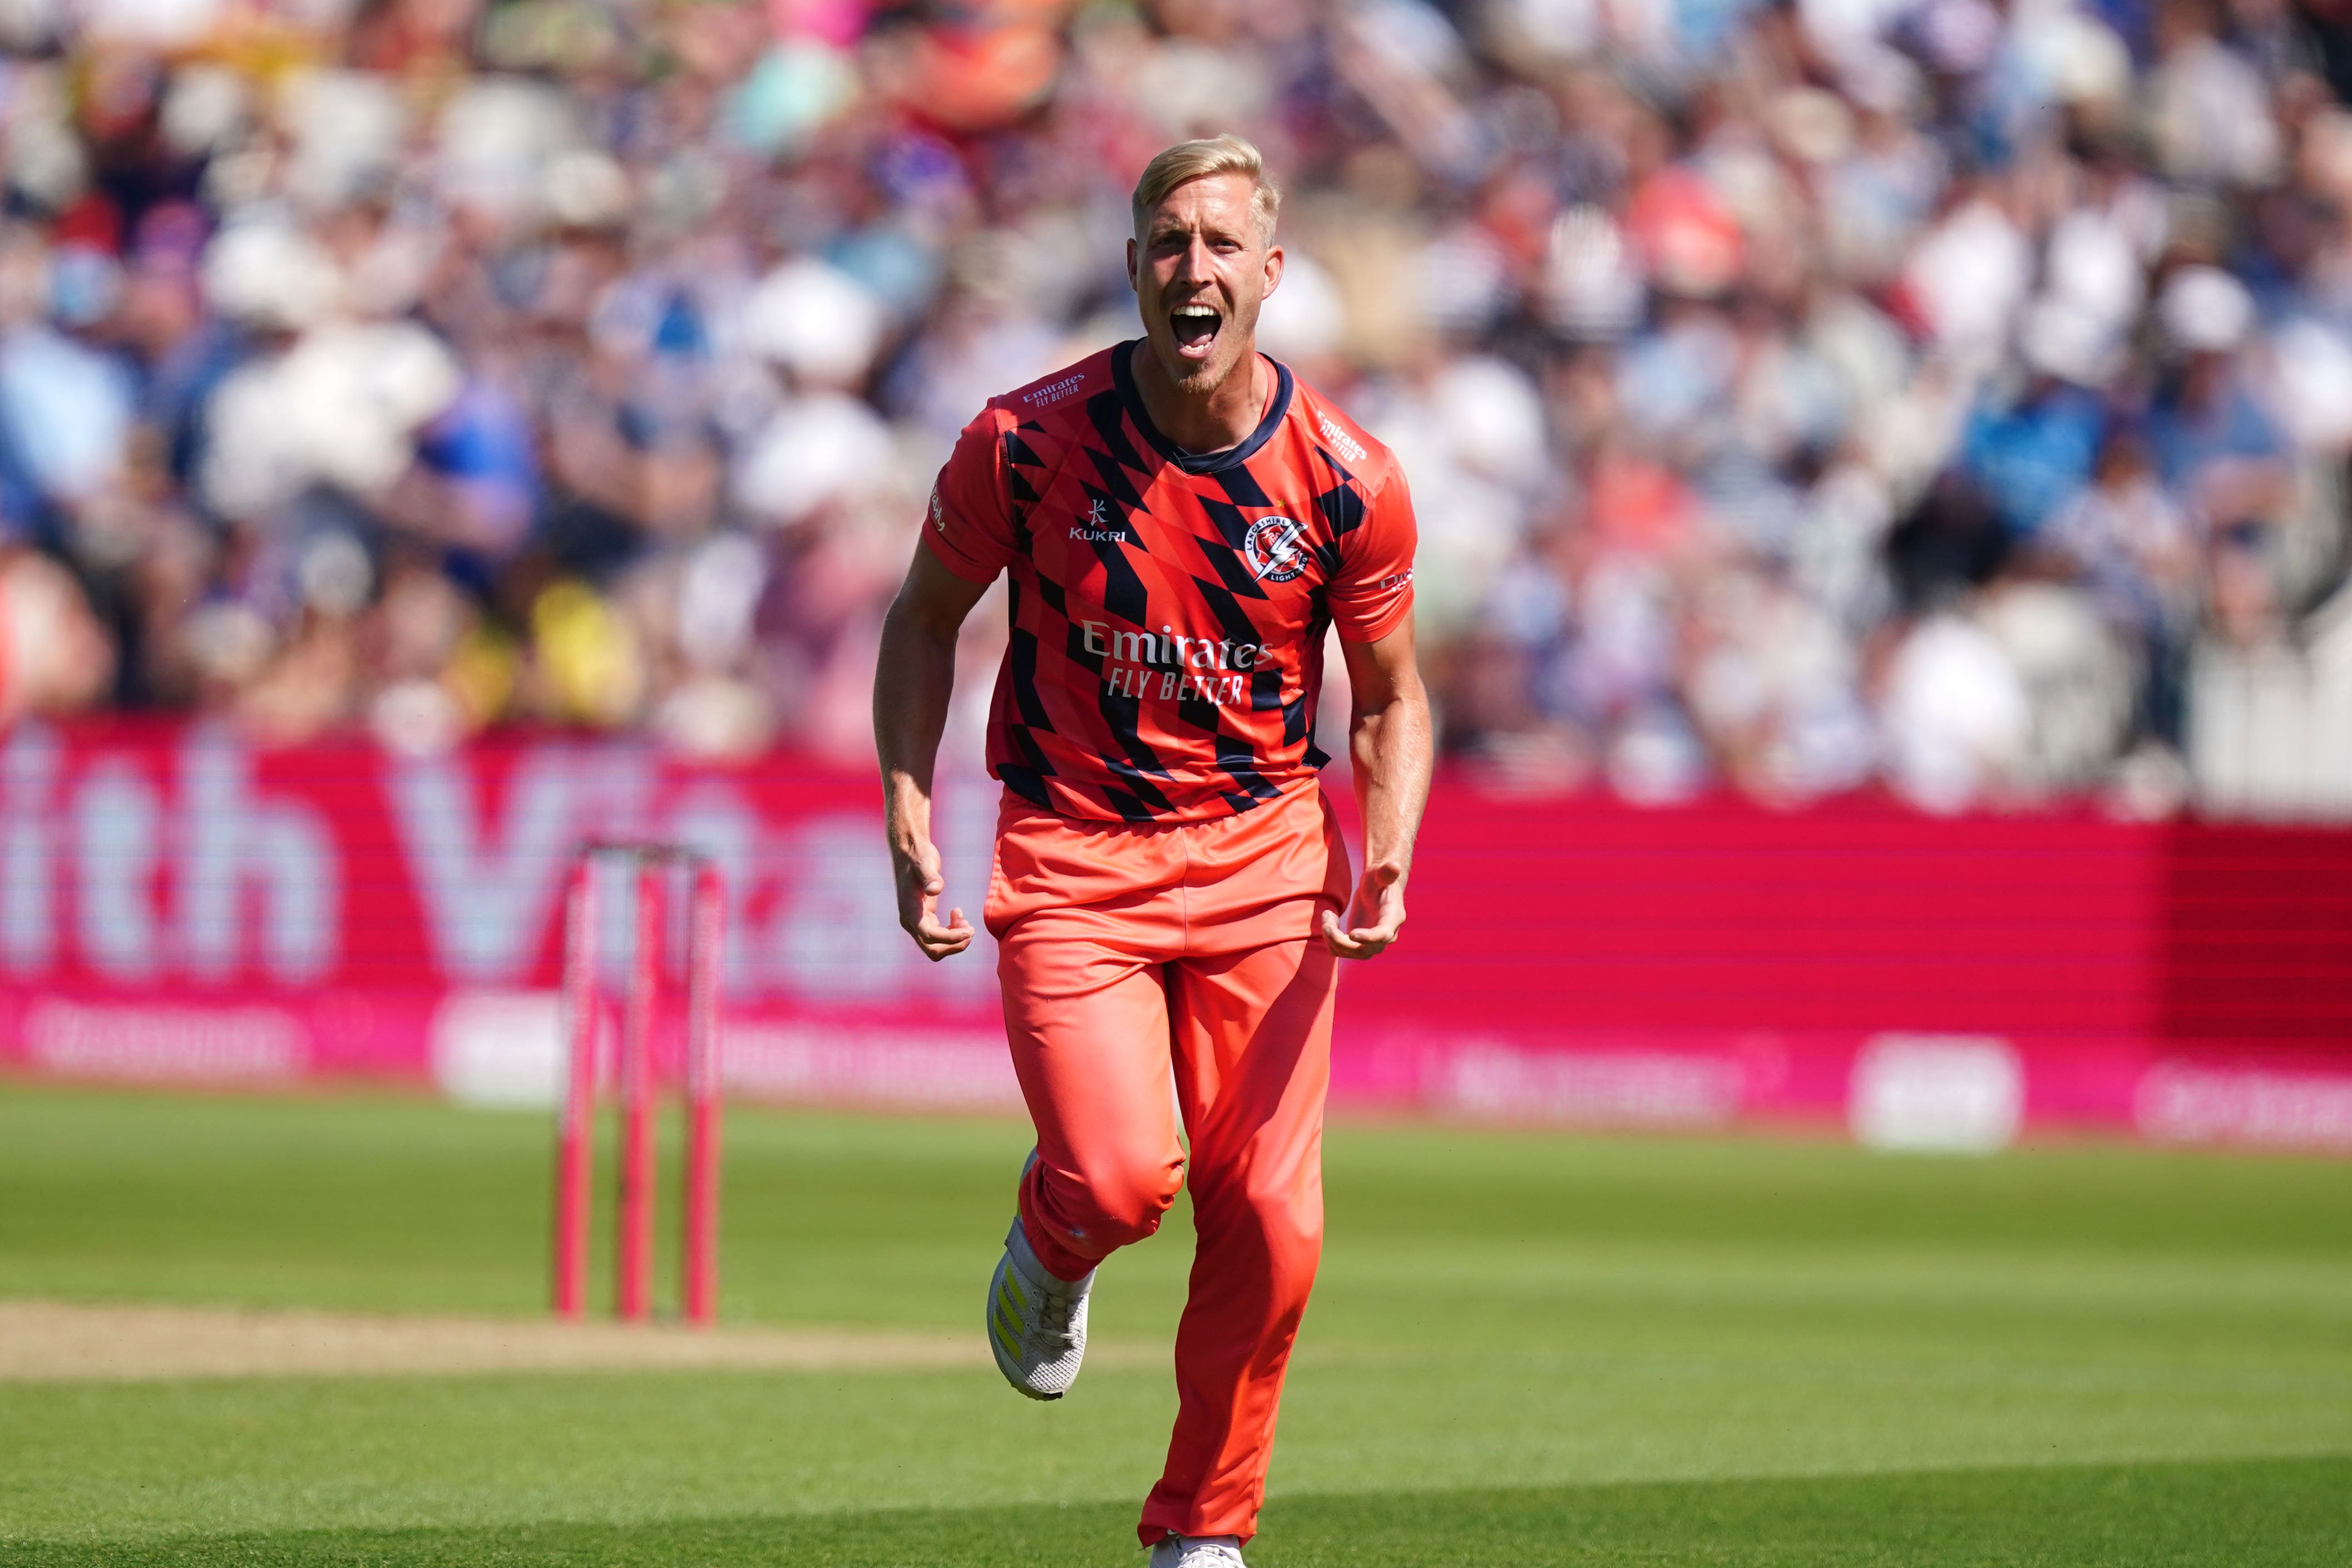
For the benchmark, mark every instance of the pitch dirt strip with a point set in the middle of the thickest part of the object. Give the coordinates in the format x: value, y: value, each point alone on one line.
x: 57, y: 1341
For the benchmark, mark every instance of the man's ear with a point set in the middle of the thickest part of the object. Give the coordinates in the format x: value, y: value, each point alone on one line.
x: 1273, y: 270
x: 1134, y: 284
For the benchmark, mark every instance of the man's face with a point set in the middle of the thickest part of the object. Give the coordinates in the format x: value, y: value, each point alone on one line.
x: 1200, y: 270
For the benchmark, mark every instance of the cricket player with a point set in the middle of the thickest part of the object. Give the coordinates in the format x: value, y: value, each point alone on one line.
x: 1181, y: 520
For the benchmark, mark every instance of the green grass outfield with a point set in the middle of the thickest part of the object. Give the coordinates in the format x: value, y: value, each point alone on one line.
x: 1524, y: 1350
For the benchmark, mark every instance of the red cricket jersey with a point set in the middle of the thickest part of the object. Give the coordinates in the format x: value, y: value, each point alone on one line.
x: 1168, y: 608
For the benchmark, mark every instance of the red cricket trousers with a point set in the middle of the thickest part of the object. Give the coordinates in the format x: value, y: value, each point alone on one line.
x: 1127, y: 951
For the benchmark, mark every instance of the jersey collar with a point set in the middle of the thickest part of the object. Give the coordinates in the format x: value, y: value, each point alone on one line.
x: 1277, y: 409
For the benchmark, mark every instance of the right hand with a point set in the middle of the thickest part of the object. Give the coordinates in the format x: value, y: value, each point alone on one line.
x: 917, y: 868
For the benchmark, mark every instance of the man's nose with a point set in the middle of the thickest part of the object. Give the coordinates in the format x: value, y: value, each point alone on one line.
x: 1195, y: 262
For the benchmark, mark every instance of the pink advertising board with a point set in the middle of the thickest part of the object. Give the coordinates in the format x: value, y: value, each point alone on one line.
x: 178, y: 906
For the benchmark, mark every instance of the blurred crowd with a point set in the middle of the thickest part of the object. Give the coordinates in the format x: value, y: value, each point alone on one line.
x: 1799, y: 395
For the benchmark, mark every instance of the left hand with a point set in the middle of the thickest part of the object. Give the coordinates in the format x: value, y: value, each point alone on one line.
x: 1374, y: 917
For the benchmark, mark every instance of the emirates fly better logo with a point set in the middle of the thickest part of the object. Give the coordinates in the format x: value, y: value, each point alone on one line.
x: 1272, y: 549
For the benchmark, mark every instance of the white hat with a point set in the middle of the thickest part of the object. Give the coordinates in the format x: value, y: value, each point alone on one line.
x: 265, y: 272
x: 2206, y: 310
x: 816, y: 321
x: 2060, y: 338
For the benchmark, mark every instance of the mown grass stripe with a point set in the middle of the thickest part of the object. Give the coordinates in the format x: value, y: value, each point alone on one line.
x: 2272, y: 1513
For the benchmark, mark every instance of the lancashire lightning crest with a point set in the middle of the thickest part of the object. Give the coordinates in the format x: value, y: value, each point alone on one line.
x: 1271, y: 547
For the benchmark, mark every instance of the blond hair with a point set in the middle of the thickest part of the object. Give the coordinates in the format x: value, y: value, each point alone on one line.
x: 1190, y: 161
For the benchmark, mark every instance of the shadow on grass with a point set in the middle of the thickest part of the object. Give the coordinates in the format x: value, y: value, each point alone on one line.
x: 2250, y: 1513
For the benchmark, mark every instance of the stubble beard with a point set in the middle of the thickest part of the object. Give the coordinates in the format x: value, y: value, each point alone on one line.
x: 1200, y: 381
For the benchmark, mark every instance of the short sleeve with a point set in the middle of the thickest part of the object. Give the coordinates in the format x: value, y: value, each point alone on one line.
x: 1373, y: 594
x: 969, y: 526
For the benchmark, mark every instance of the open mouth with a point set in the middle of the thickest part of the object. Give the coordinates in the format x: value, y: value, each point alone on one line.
x: 1195, y: 327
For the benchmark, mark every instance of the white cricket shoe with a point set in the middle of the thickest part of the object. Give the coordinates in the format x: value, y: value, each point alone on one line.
x: 1036, y: 1322
x: 1198, y: 1551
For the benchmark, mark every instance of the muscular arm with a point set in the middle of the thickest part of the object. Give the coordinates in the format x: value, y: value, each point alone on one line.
x: 913, y: 679
x: 1389, y: 740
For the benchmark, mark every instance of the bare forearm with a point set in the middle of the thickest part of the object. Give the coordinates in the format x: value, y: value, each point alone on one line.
x: 1393, y: 750
x: 913, y: 680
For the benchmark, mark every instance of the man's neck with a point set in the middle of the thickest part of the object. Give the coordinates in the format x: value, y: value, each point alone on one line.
x: 1203, y: 422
